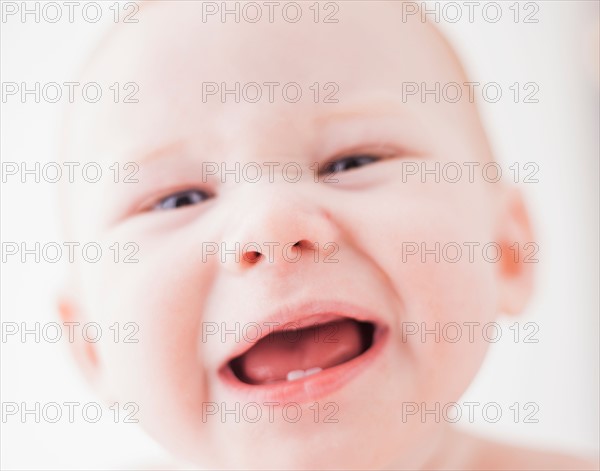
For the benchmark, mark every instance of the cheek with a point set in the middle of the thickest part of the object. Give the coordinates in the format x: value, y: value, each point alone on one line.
x: 421, y: 240
x: 162, y: 295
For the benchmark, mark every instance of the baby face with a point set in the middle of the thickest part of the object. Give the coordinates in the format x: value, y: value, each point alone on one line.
x: 324, y: 253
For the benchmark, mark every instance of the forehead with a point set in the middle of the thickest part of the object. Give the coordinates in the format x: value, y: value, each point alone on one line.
x: 181, y: 33
x: 194, y: 74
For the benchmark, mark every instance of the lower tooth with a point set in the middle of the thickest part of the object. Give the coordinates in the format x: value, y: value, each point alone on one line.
x: 298, y: 374
x: 295, y: 374
x: 312, y: 371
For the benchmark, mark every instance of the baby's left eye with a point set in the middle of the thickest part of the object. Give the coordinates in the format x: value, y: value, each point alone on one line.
x: 350, y: 162
x: 181, y: 199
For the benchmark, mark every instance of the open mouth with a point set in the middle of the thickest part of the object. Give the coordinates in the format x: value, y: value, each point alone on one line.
x: 292, y: 354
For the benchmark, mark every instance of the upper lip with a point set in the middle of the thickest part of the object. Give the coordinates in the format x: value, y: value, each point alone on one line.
x: 302, y: 315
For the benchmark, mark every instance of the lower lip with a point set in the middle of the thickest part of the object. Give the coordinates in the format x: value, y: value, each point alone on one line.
x: 310, y: 388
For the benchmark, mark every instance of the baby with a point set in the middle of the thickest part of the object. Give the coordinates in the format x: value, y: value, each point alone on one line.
x: 280, y: 223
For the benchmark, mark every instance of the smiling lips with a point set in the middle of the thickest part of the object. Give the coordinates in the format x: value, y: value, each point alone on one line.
x: 293, y: 354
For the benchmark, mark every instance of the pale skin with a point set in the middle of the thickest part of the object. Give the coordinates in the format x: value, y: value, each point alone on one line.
x: 367, y: 214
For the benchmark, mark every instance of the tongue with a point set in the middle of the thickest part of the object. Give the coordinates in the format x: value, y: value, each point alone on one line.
x: 322, y: 346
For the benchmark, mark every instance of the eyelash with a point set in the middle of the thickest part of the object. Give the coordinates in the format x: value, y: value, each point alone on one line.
x: 170, y: 202
x: 330, y: 168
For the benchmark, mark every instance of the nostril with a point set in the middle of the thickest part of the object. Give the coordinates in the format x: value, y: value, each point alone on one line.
x: 304, y: 244
x: 252, y: 257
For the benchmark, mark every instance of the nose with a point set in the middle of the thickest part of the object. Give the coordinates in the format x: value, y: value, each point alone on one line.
x: 276, y: 226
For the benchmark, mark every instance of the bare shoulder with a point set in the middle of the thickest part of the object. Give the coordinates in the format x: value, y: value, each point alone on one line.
x: 491, y: 455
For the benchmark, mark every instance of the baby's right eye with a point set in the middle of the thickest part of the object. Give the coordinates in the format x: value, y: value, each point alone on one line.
x: 181, y: 199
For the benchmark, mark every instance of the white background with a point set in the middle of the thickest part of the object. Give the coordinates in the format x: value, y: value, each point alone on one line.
x: 560, y: 133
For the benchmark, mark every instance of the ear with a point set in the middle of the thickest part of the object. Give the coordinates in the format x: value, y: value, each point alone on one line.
x: 85, y: 353
x: 515, y: 269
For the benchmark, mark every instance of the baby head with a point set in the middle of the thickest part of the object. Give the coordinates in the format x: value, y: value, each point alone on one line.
x: 281, y: 276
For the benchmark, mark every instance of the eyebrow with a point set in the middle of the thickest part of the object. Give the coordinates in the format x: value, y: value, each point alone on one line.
x: 152, y: 154
x: 377, y: 104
